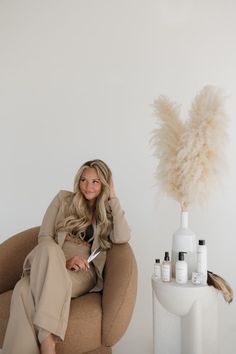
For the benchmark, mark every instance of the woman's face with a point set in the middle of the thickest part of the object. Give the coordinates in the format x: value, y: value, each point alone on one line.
x: 90, y: 184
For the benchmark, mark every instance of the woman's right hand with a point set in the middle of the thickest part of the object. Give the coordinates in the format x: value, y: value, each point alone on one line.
x: 77, y: 263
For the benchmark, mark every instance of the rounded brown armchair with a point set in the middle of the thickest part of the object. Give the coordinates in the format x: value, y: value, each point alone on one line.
x: 97, y: 320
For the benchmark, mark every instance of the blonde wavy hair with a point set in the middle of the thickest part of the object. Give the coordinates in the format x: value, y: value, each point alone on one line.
x: 76, y: 206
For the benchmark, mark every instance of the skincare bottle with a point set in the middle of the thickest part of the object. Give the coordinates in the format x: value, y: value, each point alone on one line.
x: 166, y: 268
x: 181, y: 269
x: 202, y: 261
x: 157, y: 269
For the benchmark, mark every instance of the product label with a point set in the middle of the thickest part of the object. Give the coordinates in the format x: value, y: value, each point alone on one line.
x: 157, y: 271
x: 201, y: 262
x: 181, y: 275
x: 166, y: 272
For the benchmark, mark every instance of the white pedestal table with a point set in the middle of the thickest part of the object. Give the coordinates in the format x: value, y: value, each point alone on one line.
x: 185, y: 318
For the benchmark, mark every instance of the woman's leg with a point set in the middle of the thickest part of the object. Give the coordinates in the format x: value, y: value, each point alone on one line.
x: 81, y: 282
x: 20, y: 337
x: 51, y: 288
x: 40, y: 302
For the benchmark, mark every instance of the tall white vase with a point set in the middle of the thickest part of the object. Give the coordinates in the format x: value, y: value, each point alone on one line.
x: 184, y: 240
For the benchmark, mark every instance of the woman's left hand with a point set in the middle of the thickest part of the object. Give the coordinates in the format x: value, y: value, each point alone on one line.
x: 112, y: 191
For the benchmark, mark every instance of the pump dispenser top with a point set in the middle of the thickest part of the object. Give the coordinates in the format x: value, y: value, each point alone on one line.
x: 181, y: 256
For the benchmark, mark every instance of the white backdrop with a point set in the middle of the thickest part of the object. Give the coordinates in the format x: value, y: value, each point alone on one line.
x: 77, y: 81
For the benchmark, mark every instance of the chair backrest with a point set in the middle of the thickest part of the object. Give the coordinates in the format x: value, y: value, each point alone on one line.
x: 119, y: 292
x: 12, y: 254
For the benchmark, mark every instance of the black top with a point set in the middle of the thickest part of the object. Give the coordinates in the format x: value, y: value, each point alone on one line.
x: 88, y: 237
x: 89, y: 234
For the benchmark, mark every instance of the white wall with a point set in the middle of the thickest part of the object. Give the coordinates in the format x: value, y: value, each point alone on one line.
x: 77, y: 80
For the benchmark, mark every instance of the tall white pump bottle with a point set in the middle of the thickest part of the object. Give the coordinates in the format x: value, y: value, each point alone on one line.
x: 184, y: 240
x: 202, y: 261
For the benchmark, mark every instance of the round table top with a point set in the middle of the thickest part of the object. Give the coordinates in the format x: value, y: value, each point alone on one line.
x: 179, y: 298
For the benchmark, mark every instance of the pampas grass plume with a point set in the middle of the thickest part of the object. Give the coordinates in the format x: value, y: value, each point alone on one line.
x: 190, y: 154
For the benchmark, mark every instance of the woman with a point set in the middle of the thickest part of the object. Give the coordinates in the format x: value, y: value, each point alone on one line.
x: 57, y: 269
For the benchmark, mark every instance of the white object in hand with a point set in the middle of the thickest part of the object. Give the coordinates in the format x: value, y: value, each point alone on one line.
x: 94, y: 254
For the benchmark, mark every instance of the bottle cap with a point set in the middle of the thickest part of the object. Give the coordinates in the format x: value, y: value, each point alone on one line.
x: 166, y: 258
x: 201, y: 242
x: 157, y: 260
x: 181, y: 256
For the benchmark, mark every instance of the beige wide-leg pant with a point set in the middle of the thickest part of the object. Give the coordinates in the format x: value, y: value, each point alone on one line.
x: 41, y: 299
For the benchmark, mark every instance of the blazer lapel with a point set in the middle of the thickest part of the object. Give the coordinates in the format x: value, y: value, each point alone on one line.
x: 61, y: 235
x: 96, y: 239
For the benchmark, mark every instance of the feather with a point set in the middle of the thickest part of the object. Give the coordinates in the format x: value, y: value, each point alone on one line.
x: 191, y: 154
x: 220, y: 284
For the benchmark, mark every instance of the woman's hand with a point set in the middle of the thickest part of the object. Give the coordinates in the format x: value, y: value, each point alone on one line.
x: 77, y: 263
x: 112, y: 191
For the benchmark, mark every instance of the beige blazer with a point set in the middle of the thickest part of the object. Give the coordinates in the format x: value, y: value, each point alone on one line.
x: 54, y: 214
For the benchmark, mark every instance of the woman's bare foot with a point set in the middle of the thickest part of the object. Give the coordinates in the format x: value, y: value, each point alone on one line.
x: 48, y: 345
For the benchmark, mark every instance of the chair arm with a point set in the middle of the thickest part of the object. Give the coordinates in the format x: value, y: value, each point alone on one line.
x: 12, y: 254
x: 119, y: 292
